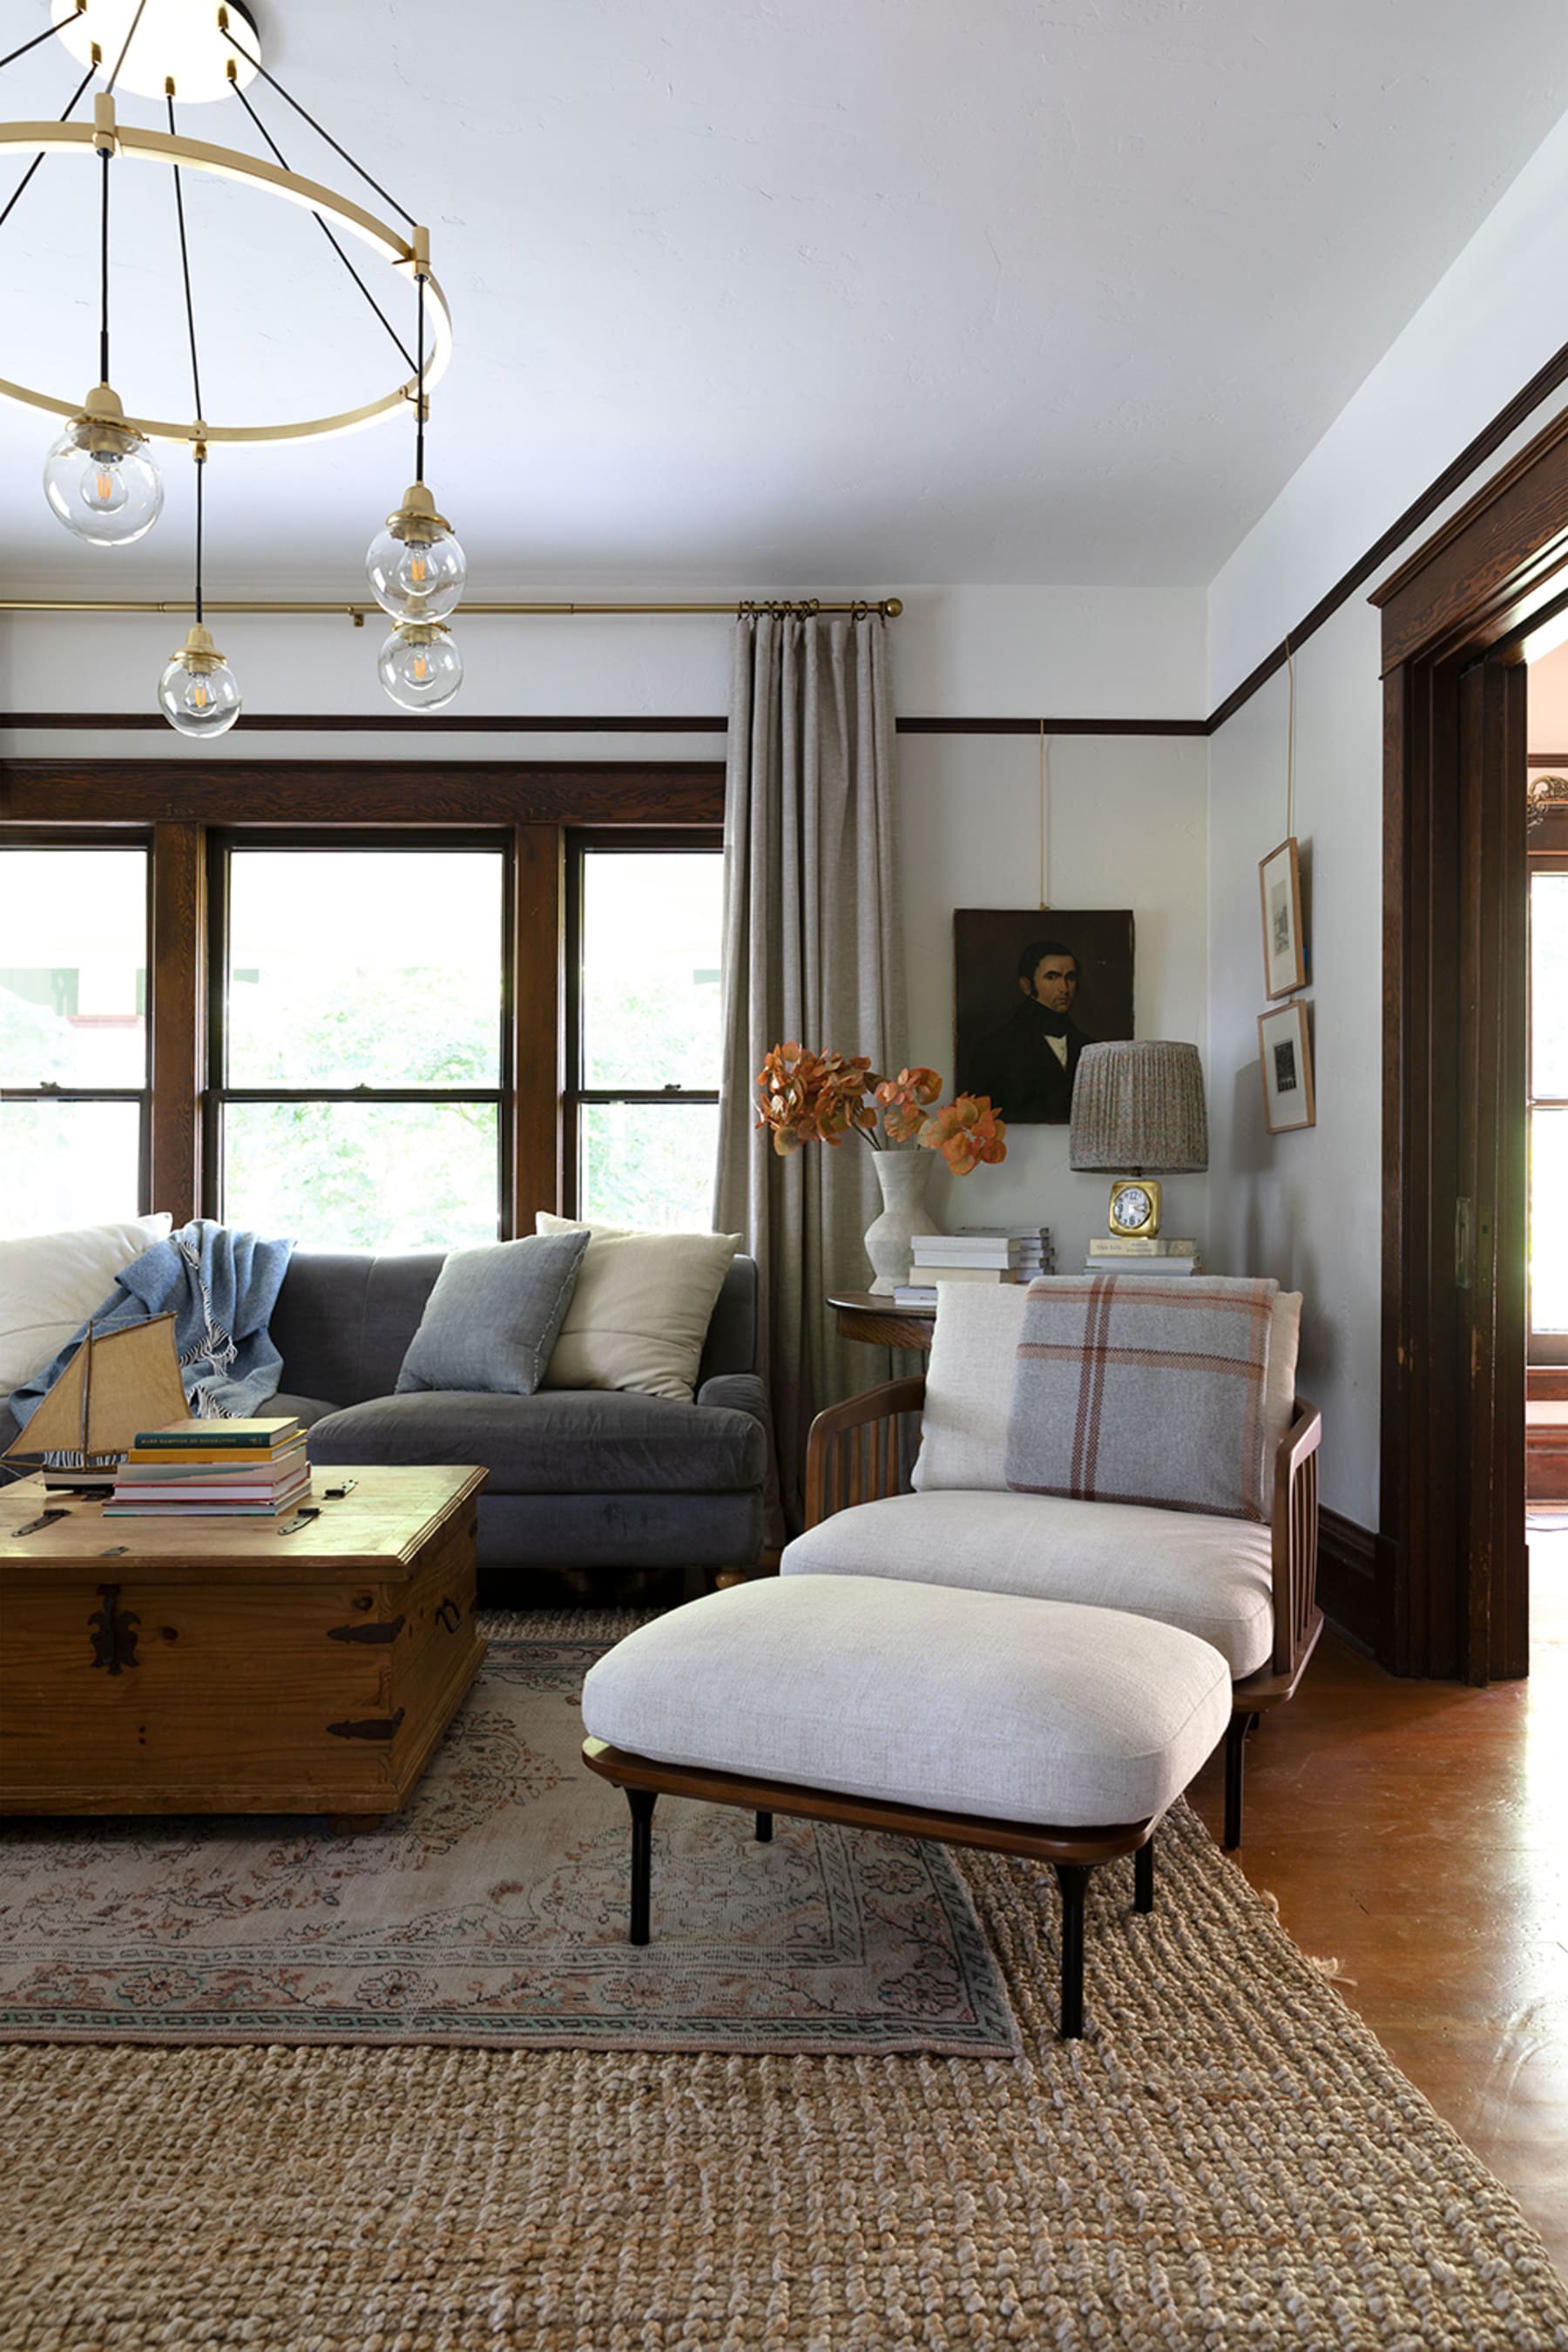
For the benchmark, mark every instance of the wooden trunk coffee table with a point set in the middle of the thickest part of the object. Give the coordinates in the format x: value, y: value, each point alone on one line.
x: 223, y: 1666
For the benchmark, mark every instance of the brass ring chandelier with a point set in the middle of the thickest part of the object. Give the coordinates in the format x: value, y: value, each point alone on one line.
x: 100, y: 477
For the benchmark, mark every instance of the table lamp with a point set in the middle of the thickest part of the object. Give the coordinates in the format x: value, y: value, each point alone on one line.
x: 1137, y: 1105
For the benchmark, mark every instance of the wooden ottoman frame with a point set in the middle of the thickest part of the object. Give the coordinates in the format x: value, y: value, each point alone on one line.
x: 1075, y: 1852
x: 855, y: 1453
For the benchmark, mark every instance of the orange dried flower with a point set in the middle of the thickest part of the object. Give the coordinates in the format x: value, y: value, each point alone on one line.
x: 967, y: 1131
x: 903, y: 1101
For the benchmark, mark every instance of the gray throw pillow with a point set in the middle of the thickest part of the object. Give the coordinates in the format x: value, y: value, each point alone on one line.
x: 491, y: 1320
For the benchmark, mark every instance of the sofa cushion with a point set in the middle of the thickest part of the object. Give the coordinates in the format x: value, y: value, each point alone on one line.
x: 969, y: 1384
x: 1211, y: 1577
x: 306, y: 1410
x: 556, y: 1443
x: 50, y: 1284
x: 639, y: 1314
x: 972, y: 1702
x: 491, y: 1320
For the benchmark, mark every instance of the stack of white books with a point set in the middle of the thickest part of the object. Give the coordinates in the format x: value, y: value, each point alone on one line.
x: 1142, y: 1253
x: 976, y: 1255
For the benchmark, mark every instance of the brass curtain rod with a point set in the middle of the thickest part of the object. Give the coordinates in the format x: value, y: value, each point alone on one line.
x: 887, y: 608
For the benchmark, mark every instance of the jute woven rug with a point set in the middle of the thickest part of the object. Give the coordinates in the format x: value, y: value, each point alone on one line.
x: 493, y: 1912
x: 1228, y: 2158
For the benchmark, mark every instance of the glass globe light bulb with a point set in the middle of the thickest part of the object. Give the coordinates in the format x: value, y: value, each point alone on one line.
x: 415, y: 568
x: 198, y: 692
x: 101, y: 478
x: 420, y: 666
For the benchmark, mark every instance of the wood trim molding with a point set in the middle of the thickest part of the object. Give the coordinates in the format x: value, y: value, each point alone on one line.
x: 311, y: 793
x: 918, y: 726
x: 537, y: 978
x: 378, y: 723
x: 1353, y: 1565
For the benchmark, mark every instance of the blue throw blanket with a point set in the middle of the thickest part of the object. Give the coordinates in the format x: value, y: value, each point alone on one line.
x: 221, y: 1288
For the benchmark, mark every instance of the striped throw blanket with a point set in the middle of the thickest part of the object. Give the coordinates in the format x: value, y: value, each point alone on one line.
x: 1151, y: 1392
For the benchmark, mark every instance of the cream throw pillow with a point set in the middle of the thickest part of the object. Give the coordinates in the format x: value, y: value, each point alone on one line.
x: 969, y: 1385
x: 639, y: 1314
x: 50, y: 1284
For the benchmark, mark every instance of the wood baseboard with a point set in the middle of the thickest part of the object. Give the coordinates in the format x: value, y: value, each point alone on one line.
x: 1350, y: 1559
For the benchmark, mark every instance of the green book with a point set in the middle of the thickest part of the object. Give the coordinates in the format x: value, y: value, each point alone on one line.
x: 181, y: 1436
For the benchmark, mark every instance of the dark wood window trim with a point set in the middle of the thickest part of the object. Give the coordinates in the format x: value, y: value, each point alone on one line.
x: 574, y: 1093
x: 180, y: 810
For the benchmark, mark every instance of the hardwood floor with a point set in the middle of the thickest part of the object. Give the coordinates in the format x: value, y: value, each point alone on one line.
x: 1418, y: 1834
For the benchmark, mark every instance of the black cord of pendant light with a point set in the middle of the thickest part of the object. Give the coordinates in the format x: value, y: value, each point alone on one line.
x: 280, y: 158
x: 22, y: 184
x: 419, y: 392
x: 186, y: 271
x: 201, y: 477
x: 103, y: 282
x: 240, y: 50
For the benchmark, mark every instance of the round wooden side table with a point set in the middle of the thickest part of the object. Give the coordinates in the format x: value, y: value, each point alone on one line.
x: 862, y: 1314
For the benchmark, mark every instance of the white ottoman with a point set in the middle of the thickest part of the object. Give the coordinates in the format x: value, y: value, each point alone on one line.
x: 1035, y: 1728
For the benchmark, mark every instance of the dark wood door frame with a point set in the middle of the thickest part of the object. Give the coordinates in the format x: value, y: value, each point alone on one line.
x: 1453, y: 1596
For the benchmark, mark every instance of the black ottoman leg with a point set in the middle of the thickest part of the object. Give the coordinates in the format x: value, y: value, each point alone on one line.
x: 1144, y: 1875
x: 765, y: 1829
x: 1072, y: 1877
x: 642, y: 1801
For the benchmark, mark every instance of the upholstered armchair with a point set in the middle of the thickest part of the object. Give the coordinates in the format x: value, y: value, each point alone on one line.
x: 1247, y: 1585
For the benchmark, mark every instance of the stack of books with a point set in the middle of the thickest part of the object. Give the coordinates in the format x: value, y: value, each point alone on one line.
x: 213, y: 1469
x: 974, y: 1255
x: 1134, y: 1254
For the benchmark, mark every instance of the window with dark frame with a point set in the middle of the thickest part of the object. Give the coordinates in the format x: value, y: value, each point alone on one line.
x: 74, y: 1061
x: 644, y: 924
x: 360, y: 1041
x: 1548, y: 1107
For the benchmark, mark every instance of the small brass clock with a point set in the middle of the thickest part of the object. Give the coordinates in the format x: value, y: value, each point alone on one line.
x: 1135, y: 1207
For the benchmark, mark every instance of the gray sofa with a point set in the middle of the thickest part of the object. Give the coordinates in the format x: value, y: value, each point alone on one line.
x: 579, y: 1478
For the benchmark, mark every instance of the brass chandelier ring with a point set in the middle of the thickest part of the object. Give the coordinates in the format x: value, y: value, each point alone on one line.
x: 229, y: 164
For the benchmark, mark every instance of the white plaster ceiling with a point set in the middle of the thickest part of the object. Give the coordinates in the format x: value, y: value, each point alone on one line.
x: 789, y: 292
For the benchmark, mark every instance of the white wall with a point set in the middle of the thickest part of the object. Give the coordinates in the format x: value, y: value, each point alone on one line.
x: 1307, y: 1207
x: 1127, y: 827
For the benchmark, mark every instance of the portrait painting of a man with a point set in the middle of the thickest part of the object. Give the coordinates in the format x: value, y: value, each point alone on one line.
x: 1032, y: 989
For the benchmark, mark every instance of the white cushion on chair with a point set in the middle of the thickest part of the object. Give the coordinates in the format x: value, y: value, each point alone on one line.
x: 1210, y: 1576
x: 968, y: 1385
x: 965, y: 1702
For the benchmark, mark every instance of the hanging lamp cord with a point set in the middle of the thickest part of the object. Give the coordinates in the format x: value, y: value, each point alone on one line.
x: 419, y: 392
x: 272, y: 83
x: 185, y: 270
x: 103, y: 282
x: 47, y: 34
x: 20, y: 189
x: 125, y: 45
x: 280, y: 158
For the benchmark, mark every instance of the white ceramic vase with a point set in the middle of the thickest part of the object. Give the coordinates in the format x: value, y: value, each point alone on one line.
x: 903, y: 1177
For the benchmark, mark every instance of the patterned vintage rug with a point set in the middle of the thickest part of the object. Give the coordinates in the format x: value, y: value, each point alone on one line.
x: 493, y: 1913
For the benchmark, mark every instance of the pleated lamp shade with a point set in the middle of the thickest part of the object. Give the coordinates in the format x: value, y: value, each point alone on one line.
x: 1137, y: 1105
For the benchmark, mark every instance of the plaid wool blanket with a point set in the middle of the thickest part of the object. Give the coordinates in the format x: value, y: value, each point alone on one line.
x: 1153, y: 1392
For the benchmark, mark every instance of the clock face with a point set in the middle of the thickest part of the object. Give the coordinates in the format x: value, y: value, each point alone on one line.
x: 1132, y: 1207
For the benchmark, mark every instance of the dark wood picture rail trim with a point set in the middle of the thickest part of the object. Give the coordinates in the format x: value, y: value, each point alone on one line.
x: 1546, y: 381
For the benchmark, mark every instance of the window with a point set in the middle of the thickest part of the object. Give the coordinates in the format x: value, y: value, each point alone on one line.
x: 73, y: 1035
x: 644, y: 927
x: 359, y: 1044
x: 1548, y: 1110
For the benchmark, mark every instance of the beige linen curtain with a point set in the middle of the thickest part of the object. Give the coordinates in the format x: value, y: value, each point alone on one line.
x: 813, y: 952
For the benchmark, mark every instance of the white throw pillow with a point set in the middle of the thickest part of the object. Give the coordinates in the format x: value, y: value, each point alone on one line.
x: 50, y: 1284
x: 968, y: 1385
x: 640, y: 1312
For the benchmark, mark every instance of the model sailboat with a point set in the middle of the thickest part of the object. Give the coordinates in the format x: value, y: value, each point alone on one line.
x: 117, y: 1383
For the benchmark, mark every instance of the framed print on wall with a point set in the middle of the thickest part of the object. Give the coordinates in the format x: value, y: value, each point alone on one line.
x: 1284, y: 935
x: 1032, y: 987
x: 1285, y: 1054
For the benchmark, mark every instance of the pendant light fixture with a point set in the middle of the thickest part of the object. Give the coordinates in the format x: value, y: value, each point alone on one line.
x: 99, y: 475
x: 415, y: 566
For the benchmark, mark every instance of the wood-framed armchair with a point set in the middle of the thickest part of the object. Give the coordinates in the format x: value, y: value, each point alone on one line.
x: 857, y: 1454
